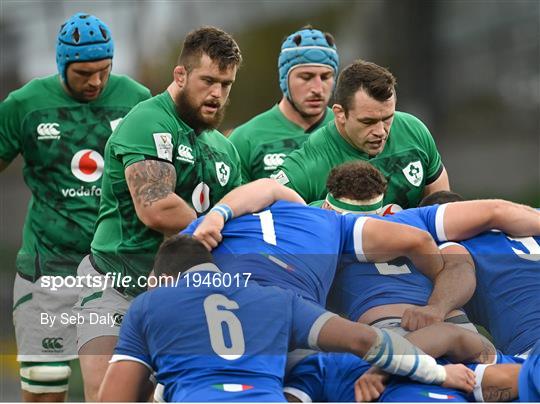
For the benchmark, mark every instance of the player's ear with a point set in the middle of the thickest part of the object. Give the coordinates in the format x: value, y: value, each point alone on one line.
x: 339, y: 113
x: 179, y: 75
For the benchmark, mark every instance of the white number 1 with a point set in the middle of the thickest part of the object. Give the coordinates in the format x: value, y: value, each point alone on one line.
x: 267, y: 226
x: 530, y: 244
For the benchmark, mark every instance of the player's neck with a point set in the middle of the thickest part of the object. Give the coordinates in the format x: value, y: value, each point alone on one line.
x: 288, y: 110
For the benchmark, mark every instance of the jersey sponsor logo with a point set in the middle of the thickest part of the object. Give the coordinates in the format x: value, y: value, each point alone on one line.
x: 280, y: 177
x: 164, y: 146
x: 414, y: 172
x: 200, y: 198
x: 87, y: 165
x: 390, y: 209
x: 223, y: 172
x: 48, y: 131
x: 185, y: 153
x: 273, y: 160
x: 82, y: 191
x: 115, y: 123
x: 52, y: 344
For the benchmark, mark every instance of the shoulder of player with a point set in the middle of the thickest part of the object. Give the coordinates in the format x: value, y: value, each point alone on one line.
x: 253, y: 125
x: 126, y: 83
x: 29, y: 91
x: 409, y: 123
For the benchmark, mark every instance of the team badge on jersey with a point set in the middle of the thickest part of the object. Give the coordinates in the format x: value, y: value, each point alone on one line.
x: 200, y: 198
x: 223, y: 172
x: 87, y: 165
x: 164, y: 146
x: 414, y: 172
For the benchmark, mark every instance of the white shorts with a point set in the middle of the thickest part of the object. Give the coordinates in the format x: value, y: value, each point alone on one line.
x: 99, y: 310
x: 40, y: 317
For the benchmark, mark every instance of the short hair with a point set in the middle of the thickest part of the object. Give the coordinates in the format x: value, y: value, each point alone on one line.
x: 179, y: 253
x: 214, y: 42
x: 441, y: 197
x: 375, y: 80
x: 356, y: 180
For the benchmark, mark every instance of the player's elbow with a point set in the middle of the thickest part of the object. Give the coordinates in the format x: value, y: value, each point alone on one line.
x: 499, y: 212
x: 418, y: 240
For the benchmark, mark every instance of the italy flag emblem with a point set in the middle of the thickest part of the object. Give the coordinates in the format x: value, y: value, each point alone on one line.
x: 232, y: 388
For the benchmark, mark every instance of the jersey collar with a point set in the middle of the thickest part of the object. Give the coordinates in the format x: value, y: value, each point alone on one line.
x: 207, y: 267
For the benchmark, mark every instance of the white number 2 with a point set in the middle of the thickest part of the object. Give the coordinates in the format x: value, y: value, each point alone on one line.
x: 267, y: 226
x: 530, y: 244
x: 216, y: 319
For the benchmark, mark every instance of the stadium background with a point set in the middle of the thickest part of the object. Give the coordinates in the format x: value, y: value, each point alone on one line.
x: 469, y: 70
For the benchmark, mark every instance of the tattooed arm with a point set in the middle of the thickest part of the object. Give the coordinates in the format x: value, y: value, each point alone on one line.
x: 151, y: 184
x: 500, y: 382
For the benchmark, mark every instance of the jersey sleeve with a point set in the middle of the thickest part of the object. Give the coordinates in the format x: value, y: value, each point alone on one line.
x: 241, y: 142
x: 237, y: 172
x: 142, y: 135
x: 428, y: 218
x: 10, y: 142
x: 297, y: 172
x: 306, y: 380
x: 132, y: 340
x: 307, y: 321
x: 352, y: 229
x: 434, y: 163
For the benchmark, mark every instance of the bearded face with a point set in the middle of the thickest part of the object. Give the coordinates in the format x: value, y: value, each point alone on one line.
x: 202, y: 100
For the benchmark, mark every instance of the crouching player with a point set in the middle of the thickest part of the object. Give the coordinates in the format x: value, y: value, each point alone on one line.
x: 229, y: 343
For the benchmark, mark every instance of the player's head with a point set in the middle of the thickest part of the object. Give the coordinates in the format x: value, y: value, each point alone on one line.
x: 205, y: 72
x: 365, y: 103
x: 355, y: 187
x: 308, y: 65
x: 441, y: 197
x: 178, y: 254
x: 84, y: 53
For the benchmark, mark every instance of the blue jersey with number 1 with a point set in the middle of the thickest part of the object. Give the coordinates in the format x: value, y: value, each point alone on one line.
x: 211, y: 343
x: 289, y: 245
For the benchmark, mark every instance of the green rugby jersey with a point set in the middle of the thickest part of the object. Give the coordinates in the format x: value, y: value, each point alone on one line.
x: 62, y: 142
x: 207, y: 167
x: 409, y: 161
x: 264, y: 141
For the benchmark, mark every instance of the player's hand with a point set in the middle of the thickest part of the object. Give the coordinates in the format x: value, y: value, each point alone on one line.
x: 459, y: 377
x: 415, y: 318
x: 370, y: 385
x: 209, y: 230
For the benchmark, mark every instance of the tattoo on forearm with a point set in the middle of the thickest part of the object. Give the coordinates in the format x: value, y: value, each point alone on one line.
x: 497, y: 394
x: 151, y: 181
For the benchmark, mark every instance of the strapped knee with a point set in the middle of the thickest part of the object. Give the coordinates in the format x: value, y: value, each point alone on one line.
x: 45, y: 377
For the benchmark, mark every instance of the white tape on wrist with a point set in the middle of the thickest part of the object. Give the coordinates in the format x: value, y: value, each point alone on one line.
x: 394, y: 354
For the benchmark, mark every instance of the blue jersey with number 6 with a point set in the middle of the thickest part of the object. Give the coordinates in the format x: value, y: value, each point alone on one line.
x: 211, y: 343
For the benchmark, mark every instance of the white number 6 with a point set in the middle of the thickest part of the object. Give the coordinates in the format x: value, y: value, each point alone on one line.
x: 215, y: 318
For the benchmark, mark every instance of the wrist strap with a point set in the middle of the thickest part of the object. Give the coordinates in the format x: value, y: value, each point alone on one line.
x: 224, y: 210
